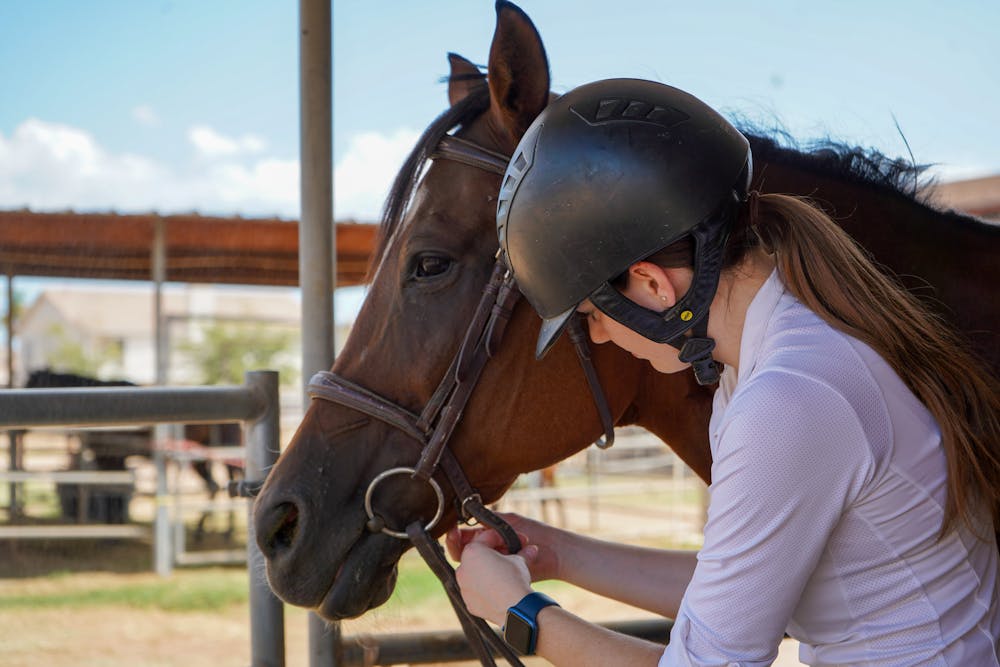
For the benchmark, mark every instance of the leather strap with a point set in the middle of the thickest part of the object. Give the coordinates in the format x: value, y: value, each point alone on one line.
x: 479, y: 633
x: 336, y: 389
x: 579, y: 339
x: 466, y: 152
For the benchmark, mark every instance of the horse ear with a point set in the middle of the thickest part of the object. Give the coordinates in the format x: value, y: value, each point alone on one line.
x: 464, y: 78
x: 518, y: 74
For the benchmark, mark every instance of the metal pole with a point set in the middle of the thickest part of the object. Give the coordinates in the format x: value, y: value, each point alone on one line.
x: 159, y: 271
x: 10, y: 330
x: 267, y: 614
x: 100, y: 406
x: 162, y: 551
x: 12, y: 438
x: 316, y: 244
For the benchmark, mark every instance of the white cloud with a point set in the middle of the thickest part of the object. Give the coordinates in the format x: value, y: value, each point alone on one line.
x: 49, y: 166
x: 146, y: 115
x: 211, y: 144
x: 365, y: 173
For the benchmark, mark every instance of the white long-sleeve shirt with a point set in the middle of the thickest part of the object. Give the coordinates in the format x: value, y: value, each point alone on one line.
x: 827, y: 497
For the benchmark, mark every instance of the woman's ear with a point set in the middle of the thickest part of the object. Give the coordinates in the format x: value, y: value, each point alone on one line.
x: 651, y: 286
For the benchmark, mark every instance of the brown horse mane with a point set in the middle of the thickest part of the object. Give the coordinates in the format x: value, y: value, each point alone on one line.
x: 864, y: 167
x: 853, y: 163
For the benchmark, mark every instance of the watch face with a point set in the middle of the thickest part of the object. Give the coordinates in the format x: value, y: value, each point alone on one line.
x: 519, y: 633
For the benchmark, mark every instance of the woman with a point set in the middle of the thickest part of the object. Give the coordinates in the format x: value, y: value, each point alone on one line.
x: 856, y: 473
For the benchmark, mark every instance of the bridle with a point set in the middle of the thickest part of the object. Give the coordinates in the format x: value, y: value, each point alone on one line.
x: 433, y: 427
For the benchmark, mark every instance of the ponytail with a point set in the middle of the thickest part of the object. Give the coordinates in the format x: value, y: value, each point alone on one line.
x: 826, y: 270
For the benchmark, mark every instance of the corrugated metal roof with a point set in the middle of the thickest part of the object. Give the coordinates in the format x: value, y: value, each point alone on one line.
x: 201, y: 249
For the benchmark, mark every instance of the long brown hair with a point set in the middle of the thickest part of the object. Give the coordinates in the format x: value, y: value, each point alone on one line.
x: 828, y: 272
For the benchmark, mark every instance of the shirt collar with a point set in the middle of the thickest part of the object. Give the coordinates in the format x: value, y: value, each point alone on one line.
x: 758, y: 315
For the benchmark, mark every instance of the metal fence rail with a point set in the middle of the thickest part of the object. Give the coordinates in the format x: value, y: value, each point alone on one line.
x: 418, y: 648
x: 92, y: 406
x: 255, y: 403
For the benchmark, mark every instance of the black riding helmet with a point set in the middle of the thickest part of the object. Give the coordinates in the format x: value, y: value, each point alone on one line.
x: 608, y: 174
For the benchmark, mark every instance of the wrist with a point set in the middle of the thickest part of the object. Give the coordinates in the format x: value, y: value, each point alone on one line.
x: 520, y: 628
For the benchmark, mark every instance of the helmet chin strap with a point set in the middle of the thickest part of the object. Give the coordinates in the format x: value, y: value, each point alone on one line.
x: 697, y: 351
x: 689, y: 314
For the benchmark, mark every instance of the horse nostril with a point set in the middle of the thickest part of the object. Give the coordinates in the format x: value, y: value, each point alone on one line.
x: 285, y: 533
x: 283, y: 522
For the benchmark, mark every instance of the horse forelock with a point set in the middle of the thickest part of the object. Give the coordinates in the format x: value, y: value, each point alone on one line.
x: 405, y: 184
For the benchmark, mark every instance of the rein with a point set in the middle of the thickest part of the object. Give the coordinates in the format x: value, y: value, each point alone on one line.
x: 433, y: 427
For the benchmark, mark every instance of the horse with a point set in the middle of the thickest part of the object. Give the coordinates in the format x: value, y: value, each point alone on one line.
x: 229, y: 434
x: 107, y: 450
x: 329, y: 514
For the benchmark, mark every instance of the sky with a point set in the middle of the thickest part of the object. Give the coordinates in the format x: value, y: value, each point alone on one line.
x: 192, y: 105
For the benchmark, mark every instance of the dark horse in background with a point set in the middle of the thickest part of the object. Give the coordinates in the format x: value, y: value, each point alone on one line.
x: 108, y: 449
x: 435, y: 254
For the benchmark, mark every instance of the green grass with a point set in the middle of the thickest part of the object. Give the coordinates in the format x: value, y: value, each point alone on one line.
x: 186, y: 590
x: 183, y: 592
x: 416, y: 583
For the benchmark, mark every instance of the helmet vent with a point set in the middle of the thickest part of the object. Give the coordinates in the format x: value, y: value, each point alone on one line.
x: 667, y: 116
x: 608, y: 108
x: 612, y: 109
x: 637, y: 110
x: 519, y: 162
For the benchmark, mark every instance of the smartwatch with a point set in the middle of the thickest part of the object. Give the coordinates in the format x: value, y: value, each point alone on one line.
x: 520, y: 631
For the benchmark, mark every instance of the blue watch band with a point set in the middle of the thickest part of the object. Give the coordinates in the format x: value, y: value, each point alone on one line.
x: 521, y: 629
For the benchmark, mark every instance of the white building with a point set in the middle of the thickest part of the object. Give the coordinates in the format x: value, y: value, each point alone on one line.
x: 114, y: 323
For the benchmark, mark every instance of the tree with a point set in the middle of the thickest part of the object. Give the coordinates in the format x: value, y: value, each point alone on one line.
x: 69, y: 355
x: 225, y: 351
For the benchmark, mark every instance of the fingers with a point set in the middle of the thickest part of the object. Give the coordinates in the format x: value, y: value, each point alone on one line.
x: 489, y: 538
x: 530, y: 554
x: 456, y: 540
x: 453, y: 543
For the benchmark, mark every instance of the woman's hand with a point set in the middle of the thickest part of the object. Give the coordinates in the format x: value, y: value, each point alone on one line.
x: 492, y: 581
x: 547, y: 540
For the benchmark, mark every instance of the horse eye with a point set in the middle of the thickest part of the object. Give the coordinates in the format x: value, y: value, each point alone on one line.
x: 429, y: 266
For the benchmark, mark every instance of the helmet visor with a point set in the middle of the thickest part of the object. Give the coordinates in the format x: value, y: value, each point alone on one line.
x: 551, y: 328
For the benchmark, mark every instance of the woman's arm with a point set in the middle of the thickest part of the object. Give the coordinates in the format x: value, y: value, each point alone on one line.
x: 650, y: 579
x: 566, y: 639
x: 492, y: 582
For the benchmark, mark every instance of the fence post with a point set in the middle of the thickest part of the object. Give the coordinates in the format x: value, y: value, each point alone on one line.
x: 267, y: 613
x: 317, y: 244
x: 163, y: 557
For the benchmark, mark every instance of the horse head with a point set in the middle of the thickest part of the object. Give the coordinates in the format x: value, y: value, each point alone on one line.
x: 435, y: 254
